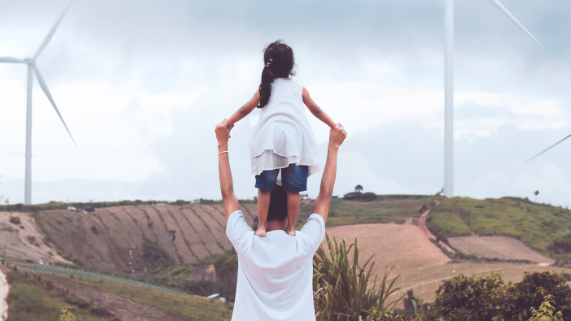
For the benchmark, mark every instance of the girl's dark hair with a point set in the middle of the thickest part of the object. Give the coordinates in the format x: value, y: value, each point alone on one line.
x: 278, y: 58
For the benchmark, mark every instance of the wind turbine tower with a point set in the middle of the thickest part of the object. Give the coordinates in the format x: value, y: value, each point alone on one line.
x: 449, y: 88
x: 33, y: 68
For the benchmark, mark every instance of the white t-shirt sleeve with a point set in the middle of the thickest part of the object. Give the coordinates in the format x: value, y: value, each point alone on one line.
x: 314, y: 229
x: 238, y: 231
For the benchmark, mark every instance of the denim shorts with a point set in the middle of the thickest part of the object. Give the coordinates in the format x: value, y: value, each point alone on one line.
x: 294, y: 179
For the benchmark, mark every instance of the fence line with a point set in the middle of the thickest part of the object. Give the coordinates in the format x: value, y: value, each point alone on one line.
x: 95, y: 276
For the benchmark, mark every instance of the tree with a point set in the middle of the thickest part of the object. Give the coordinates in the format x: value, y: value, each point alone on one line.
x: 358, y: 188
x: 536, y: 192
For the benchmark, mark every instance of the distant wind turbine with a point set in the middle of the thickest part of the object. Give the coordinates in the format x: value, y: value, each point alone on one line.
x: 33, y: 68
x: 449, y: 88
x: 550, y: 147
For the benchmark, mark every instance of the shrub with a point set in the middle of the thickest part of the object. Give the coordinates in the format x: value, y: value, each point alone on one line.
x: 531, y: 292
x: 537, y: 296
x: 360, y: 196
x: 79, y: 302
x: 66, y: 315
x: 15, y: 220
x: 546, y: 311
x: 344, y: 290
x: 469, y: 298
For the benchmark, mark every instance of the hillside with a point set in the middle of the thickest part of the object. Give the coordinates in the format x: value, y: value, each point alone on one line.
x: 40, y: 296
x: 420, y: 263
x: 105, y: 238
x: 544, y: 228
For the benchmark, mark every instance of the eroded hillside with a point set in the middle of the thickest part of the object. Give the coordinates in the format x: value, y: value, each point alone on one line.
x: 21, y: 238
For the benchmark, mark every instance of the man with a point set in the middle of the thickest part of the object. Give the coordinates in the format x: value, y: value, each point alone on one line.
x: 275, y: 272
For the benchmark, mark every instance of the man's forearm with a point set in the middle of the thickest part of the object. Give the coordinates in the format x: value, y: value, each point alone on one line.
x: 329, y: 173
x: 226, y: 184
x: 323, y: 200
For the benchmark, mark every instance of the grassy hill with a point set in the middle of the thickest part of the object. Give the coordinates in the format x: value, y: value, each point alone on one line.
x: 544, y: 228
x: 38, y: 296
x: 383, y: 209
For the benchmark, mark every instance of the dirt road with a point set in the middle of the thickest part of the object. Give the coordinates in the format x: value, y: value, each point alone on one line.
x: 422, y: 225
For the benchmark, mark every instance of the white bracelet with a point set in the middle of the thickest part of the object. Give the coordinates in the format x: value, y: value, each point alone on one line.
x: 223, y: 152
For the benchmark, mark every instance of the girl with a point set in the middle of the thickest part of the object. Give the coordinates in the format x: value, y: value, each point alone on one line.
x: 283, y: 138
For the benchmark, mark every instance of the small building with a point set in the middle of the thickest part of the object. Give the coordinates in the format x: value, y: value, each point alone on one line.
x: 152, y: 202
x: 89, y: 208
x: 334, y: 198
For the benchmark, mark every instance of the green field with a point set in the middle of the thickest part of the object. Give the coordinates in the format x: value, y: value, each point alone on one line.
x: 384, y: 209
x: 536, y: 225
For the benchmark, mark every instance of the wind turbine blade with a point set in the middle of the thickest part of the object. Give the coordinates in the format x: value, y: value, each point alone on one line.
x: 50, y: 98
x: 546, y: 149
x: 12, y: 60
x: 500, y: 6
x: 51, y: 33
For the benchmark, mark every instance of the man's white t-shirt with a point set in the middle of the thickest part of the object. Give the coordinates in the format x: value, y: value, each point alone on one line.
x: 275, y: 272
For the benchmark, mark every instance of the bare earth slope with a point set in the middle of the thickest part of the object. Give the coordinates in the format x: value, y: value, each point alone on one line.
x: 104, y: 238
x: 501, y: 247
x: 24, y: 240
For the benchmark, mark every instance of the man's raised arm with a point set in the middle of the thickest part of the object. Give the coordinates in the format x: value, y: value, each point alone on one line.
x: 321, y: 206
x: 226, y: 186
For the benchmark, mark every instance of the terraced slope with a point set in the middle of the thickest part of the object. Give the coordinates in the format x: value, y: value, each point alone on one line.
x: 104, y: 238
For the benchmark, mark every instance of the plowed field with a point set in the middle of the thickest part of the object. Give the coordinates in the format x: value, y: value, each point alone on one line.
x: 501, y: 247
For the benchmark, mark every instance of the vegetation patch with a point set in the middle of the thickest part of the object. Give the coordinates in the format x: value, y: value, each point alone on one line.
x: 15, y: 220
x: 155, y: 255
x: 34, y: 298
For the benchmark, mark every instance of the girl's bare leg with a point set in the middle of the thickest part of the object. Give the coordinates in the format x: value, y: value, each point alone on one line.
x: 292, y: 211
x: 263, y: 208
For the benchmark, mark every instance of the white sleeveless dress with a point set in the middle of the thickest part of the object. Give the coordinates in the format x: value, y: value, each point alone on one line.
x: 283, y: 135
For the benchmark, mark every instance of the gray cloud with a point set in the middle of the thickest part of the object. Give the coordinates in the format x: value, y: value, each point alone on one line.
x: 215, y: 47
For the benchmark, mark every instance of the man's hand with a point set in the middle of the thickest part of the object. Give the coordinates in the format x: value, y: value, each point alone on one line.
x: 223, y: 134
x: 337, y: 135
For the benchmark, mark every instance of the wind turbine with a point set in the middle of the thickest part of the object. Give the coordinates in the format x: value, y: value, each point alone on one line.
x: 449, y: 88
x: 550, y: 147
x: 33, y: 68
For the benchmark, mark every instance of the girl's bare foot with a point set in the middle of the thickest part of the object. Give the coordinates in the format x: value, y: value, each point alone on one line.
x: 261, y: 232
x: 290, y: 231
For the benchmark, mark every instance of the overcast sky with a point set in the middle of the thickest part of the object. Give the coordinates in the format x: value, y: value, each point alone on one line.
x: 141, y: 85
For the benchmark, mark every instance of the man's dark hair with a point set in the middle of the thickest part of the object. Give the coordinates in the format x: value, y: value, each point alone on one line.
x: 278, y: 205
